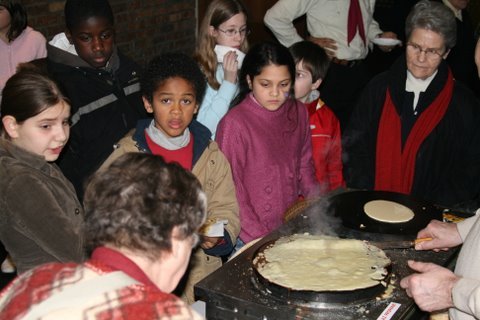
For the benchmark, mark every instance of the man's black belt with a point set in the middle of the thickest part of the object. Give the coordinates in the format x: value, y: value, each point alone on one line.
x: 346, y: 63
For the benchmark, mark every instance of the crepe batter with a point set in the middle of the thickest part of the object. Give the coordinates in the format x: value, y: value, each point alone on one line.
x: 321, y: 263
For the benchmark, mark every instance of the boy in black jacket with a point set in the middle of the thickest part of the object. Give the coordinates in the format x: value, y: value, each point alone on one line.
x: 101, y: 83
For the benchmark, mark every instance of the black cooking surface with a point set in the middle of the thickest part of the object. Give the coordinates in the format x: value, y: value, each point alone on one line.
x: 349, y: 207
x: 234, y: 291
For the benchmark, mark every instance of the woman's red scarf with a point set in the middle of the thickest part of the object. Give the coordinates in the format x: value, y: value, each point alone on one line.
x: 394, y: 168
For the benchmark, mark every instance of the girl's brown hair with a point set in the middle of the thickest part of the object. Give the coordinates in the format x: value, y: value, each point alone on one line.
x: 26, y: 94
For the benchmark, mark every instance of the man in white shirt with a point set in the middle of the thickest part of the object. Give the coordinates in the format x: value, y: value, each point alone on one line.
x: 329, y: 24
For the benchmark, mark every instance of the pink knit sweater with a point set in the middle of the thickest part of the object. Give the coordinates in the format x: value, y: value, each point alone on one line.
x: 270, y: 154
x: 28, y: 46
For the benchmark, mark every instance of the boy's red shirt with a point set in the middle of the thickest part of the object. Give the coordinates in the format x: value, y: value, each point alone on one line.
x: 326, y: 145
x: 183, y: 156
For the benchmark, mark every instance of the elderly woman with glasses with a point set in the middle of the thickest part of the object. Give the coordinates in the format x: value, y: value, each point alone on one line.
x: 415, y: 129
x: 142, y: 216
x: 437, y: 288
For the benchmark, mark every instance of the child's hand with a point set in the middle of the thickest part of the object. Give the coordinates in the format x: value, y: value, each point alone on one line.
x: 209, y: 242
x: 230, y: 67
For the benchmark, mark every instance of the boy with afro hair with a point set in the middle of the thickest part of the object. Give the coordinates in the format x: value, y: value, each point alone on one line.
x: 173, y: 88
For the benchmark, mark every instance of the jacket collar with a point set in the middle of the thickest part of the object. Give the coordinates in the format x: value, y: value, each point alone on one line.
x: 59, y: 50
x: 201, y: 137
x: 397, y: 77
x: 117, y: 261
x: 9, y: 149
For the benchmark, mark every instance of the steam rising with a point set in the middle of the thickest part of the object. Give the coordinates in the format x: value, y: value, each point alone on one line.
x: 318, y: 219
x: 322, y: 219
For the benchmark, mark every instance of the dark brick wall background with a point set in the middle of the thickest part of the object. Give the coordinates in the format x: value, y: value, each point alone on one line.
x: 144, y: 28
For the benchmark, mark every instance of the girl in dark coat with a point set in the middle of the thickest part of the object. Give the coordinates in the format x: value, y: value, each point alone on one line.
x: 41, y: 219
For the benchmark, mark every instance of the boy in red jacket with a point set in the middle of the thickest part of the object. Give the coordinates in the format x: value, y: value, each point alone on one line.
x: 312, y: 64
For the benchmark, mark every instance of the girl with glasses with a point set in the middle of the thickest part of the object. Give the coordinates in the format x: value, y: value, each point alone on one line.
x: 224, y: 24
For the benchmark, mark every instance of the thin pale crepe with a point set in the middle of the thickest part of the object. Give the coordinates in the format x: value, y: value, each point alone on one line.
x: 388, y: 211
x: 320, y: 263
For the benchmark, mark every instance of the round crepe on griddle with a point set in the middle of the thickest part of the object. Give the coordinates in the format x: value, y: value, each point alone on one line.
x: 320, y: 263
x: 388, y: 211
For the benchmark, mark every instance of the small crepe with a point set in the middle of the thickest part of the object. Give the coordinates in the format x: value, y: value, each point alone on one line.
x: 388, y: 211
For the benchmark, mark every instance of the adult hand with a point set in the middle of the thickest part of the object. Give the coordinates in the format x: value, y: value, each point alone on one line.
x: 444, y: 235
x: 230, y: 66
x: 328, y: 44
x: 209, y: 242
x: 388, y: 35
x: 431, y: 288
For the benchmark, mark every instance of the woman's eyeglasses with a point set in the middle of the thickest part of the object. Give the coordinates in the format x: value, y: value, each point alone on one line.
x: 430, y: 53
x: 233, y: 32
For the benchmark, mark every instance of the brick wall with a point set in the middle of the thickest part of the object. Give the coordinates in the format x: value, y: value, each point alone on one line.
x: 144, y: 28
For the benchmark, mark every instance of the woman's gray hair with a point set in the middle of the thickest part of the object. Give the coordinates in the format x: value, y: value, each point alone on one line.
x: 136, y: 203
x: 434, y: 16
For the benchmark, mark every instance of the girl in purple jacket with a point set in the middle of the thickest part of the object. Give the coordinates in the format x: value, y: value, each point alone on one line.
x: 266, y: 138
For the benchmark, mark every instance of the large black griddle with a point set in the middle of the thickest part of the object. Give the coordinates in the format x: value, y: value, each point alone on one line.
x: 244, y: 296
x: 349, y: 207
x: 287, y: 294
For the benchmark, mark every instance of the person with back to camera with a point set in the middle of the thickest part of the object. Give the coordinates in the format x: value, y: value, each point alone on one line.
x: 173, y: 87
x: 142, y: 216
x: 415, y: 129
x: 311, y: 63
x: 223, y: 28
x: 19, y: 42
x: 346, y: 30
x: 266, y: 138
x: 41, y: 217
x: 101, y: 83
